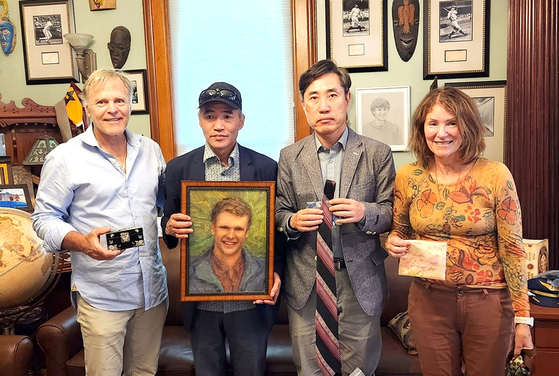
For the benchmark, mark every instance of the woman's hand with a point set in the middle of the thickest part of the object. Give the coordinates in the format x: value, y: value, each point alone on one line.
x: 396, y: 246
x: 522, y: 339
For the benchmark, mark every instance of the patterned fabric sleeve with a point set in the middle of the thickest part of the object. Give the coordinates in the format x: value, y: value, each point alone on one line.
x: 401, y: 225
x: 511, y: 248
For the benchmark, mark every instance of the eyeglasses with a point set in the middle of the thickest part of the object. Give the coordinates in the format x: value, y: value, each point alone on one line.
x: 218, y: 93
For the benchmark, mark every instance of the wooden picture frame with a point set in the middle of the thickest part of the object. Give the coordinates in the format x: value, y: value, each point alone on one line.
x: 198, y: 279
x: 491, y: 98
x: 6, y: 166
x: 138, y: 77
x: 48, y: 55
x: 383, y: 114
x: 15, y: 196
x: 456, y: 41
x: 356, y: 34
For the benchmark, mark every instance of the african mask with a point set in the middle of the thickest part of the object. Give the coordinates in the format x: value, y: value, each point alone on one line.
x: 405, y: 17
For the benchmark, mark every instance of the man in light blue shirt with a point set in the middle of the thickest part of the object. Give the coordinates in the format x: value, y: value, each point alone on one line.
x: 104, y: 180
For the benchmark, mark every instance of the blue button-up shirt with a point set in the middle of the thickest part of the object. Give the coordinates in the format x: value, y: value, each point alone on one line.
x: 82, y: 188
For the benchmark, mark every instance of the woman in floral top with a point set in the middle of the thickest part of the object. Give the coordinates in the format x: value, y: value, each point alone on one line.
x: 452, y: 194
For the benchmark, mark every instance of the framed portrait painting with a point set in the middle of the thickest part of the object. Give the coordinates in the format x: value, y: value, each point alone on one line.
x: 383, y: 114
x: 48, y: 56
x: 15, y: 196
x: 456, y: 39
x: 356, y: 34
x: 138, y: 78
x: 491, y: 100
x: 230, y: 254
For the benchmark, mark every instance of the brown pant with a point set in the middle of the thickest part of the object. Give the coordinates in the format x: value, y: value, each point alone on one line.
x: 458, y: 328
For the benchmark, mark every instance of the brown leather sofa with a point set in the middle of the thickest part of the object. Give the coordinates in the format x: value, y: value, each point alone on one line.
x: 61, y: 340
x: 15, y: 355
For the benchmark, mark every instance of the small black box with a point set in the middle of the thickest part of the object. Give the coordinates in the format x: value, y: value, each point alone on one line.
x: 124, y: 238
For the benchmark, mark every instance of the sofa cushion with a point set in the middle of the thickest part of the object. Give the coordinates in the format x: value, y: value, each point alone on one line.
x: 400, y: 325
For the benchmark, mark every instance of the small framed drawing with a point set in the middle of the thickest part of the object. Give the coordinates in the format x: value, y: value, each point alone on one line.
x: 383, y: 114
x: 138, y: 78
x: 491, y: 99
x: 6, y: 169
x: 233, y: 226
x: 456, y: 39
x: 15, y: 197
x: 48, y: 56
x: 356, y: 34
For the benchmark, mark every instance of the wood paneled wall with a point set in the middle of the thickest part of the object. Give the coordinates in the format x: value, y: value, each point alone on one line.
x: 532, y: 139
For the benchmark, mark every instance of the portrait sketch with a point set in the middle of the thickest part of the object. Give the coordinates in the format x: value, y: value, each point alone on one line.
x: 356, y: 19
x: 455, y: 21
x: 383, y: 115
x: 229, y: 256
x: 48, y: 29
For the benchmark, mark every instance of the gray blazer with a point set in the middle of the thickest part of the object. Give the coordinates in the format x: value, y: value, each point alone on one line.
x: 367, y: 176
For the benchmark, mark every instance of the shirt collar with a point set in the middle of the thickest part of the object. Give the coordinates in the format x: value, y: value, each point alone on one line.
x: 233, y: 157
x: 342, y: 140
x: 88, y: 137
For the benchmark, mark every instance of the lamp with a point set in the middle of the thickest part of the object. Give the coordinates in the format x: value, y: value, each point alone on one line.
x: 42, y: 146
x: 86, y: 58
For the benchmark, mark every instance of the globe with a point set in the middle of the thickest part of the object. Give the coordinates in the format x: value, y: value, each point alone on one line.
x: 26, y: 270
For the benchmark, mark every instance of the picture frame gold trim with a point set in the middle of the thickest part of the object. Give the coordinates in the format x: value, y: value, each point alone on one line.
x: 140, y: 102
x: 490, y: 95
x: 48, y: 59
x: 398, y: 98
x: 6, y: 165
x: 451, y: 54
x: 197, y: 200
x: 359, y: 49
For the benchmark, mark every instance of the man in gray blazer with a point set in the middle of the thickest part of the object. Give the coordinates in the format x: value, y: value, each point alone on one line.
x: 363, y: 170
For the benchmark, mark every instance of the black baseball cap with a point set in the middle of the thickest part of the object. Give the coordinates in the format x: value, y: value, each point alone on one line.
x: 221, y: 92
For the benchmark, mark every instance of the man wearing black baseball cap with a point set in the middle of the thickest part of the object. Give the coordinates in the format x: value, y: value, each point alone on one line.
x: 244, y: 324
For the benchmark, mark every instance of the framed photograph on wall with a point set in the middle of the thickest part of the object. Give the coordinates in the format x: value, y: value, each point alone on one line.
x: 383, y: 114
x: 48, y: 56
x: 6, y: 169
x: 356, y: 34
x: 15, y: 196
x: 491, y: 99
x: 233, y: 225
x: 456, y: 39
x: 139, y: 81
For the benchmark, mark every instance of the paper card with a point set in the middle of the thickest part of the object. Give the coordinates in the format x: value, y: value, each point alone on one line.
x: 425, y: 259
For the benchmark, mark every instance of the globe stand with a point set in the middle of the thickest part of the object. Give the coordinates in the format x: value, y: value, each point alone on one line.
x: 10, y: 317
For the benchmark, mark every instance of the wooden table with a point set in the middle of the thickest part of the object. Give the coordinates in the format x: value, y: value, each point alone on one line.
x: 546, y: 339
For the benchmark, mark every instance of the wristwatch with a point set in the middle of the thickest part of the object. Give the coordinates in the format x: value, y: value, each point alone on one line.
x: 524, y: 320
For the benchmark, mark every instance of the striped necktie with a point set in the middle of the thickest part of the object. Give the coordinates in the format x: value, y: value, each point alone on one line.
x: 326, y: 316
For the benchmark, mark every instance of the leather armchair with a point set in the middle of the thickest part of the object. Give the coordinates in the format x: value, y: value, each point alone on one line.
x: 15, y: 355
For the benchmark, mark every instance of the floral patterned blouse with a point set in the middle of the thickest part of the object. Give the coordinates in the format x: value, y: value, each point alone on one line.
x: 478, y: 217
